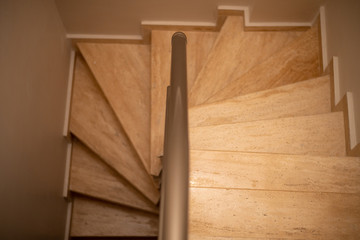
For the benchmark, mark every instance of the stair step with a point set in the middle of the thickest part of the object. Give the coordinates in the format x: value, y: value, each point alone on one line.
x: 95, y: 124
x: 298, y: 99
x: 274, y: 172
x: 234, y: 53
x: 160, y: 79
x: 235, y: 213
x: 92, y: 177
x: 123, y: 73
x: 295, y: 62
x: 97, y: 218
x: 316, y: 134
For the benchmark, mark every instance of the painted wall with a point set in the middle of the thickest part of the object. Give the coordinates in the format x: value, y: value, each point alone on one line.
x: 343, y: 40
x: 34, y: 63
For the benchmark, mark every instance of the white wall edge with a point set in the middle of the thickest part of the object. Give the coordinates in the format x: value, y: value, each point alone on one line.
x: 351, y: 116
x: 100, y: 36
x: 68, y: 96
x: 248, y: 23
x: 178, y: 23
x: 67, y: 170
x: 68, y: 221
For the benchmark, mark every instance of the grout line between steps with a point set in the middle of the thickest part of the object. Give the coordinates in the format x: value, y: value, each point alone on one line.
x: 271, y: 190
x: 267, y: 153
x: 263, y: 120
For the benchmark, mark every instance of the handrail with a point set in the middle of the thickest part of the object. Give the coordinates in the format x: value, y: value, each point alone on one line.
x: 175, y: 175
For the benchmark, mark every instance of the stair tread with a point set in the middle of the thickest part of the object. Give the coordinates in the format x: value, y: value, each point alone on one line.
x: 97, y: 218
x: 316, y: 135
x: 94, y: 123
x: 234, y: 53
x: 92, y: 177
x: 160, y: 79
x: 298, y: 99
x: 235, y: 213
x: 123, y: 73
x: 278, y: 172
x: 297, y: 61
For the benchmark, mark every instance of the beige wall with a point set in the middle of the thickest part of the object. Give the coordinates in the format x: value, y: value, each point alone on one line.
x: 343, y: 40
x: 34, y: 60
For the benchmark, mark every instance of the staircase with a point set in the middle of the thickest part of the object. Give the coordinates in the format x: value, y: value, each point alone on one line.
x: 268, y: 157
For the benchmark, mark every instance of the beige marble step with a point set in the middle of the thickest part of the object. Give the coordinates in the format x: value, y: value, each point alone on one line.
x: 97, y: 218
x: 234, y: 53
x: 91, y: 176
x: 299, y: 99
x: 280, y: 172
x: 217, y: 213
x: 123, y: 73
x: 297, y: 61
x: 160, y: 79
x: 93, y: 121
x: 316, y: 135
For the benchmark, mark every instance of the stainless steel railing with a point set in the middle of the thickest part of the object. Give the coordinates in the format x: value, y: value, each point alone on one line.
x: 175, y: 175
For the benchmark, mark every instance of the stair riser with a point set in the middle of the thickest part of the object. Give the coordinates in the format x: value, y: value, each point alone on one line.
x: 235, y: 52
x: 94, y: 218
x: 300, y: 99
x: 274, y: 172
x: 92, y: 177
x: 316, y: 135
x: 273, y: 214
x: 296, y: 62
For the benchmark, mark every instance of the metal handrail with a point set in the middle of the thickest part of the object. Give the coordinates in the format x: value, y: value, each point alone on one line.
x: 175, y: 175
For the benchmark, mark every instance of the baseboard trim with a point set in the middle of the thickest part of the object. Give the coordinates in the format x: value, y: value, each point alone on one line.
x: 67, y: 171
x: 222, y: 12
x: 68, y: 221
x: 323, y: 35
x: 344, y: 104
x: 230, y: 10
x: 68, y: 94
x: 339, y: 103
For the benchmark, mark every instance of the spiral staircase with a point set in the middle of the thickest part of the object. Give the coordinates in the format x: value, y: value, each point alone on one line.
x: 268, y: 155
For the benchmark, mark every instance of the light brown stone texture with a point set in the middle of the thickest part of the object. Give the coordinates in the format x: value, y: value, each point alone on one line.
x: 122, y: 72
x: 91, y: 176
x: 93, y: 121
x: 96, y: 218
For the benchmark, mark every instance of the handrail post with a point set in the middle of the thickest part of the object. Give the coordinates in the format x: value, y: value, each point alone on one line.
x: 176, y: 149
